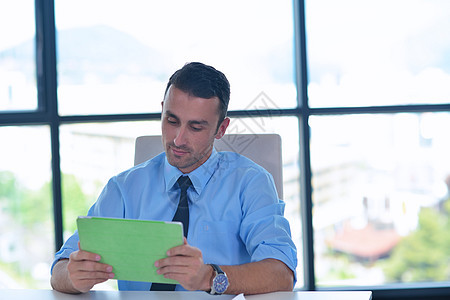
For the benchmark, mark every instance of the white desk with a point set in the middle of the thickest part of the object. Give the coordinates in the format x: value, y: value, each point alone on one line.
x: 128, y: 295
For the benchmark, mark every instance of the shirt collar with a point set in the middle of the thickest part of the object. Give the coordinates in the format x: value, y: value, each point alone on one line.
x: 199, y: 177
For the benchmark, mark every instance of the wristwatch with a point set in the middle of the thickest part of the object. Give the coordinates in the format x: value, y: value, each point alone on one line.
x: 220, y: 282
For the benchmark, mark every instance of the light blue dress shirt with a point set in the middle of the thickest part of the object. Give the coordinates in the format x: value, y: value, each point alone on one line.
x: 235, y: 216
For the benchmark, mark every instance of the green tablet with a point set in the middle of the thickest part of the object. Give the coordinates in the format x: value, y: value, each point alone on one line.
x: 131, y: 247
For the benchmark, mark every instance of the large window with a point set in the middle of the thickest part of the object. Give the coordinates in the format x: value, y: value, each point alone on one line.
x: 17, y: 64
x: 91, y: 153
x: 26, y: 221
x: 373, y: 53
x: 380, y: 181
x: 358, y: 90
x: 380, y: 197
x: 117, y: 57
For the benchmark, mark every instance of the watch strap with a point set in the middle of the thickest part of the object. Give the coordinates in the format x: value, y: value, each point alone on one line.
x: 217, y: 269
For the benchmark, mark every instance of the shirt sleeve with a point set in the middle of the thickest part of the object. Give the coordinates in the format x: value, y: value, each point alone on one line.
x: 108, y: 204
x: 264, y: 229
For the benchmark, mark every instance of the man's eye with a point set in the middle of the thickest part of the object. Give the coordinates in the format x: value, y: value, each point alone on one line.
x: 171, y: 121
x: 196, y: 128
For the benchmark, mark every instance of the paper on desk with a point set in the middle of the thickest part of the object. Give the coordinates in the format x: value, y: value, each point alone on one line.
x: 239, y: 297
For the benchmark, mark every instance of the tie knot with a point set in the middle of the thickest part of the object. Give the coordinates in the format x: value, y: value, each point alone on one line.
x: 184, y: 182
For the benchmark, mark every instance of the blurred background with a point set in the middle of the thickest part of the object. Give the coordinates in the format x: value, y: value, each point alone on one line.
x: 370, y: 80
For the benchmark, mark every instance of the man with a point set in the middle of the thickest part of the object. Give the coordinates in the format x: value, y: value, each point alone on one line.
x: 236, y: 224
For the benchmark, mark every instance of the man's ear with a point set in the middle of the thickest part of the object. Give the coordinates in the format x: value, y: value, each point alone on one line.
x: 222, y: 128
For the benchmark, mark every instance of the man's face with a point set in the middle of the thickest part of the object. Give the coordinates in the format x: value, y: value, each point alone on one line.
x: 189, y: 127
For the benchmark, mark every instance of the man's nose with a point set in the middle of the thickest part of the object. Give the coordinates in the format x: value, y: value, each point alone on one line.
x: 180, y: 137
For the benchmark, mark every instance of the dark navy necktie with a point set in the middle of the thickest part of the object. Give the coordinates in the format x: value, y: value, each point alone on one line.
x: 181, y: 215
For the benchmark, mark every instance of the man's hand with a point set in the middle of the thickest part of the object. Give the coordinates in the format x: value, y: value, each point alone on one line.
x: 80, y: 273
x: 85, y: 271
x: 185, y: 264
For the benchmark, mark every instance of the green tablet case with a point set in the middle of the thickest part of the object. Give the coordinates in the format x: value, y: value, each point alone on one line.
x: 131, y: 247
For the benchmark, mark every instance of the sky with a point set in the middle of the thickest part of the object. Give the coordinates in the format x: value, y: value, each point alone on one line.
x: 16, y: 22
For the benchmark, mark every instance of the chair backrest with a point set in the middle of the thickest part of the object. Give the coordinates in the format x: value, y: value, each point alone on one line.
x: 263, y: 149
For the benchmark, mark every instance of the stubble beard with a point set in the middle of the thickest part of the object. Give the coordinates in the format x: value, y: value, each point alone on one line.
x: 189, y: 161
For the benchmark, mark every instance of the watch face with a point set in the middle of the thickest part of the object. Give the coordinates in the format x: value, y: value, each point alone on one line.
x: 220, y: 283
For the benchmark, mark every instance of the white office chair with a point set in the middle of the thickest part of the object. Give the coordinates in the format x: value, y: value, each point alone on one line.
x: 263, y: 149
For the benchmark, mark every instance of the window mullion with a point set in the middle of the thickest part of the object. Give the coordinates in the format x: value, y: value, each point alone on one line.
x: 305, y: 164
x: 47, y: 98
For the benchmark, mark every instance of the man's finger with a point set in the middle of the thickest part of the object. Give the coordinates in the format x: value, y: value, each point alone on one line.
x: 185, y: 250
x: 173, y: 261
x: 84, y: 255
x: 89, y: 266
x: 83, y: 275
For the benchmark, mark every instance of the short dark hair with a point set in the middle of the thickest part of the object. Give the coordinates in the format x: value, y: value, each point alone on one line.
x: 202, y: 81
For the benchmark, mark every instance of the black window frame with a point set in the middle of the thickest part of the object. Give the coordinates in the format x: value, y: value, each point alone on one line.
x: 47, y: 114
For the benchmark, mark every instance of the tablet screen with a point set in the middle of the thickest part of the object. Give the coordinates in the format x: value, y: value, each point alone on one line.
x: 130, y: 246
